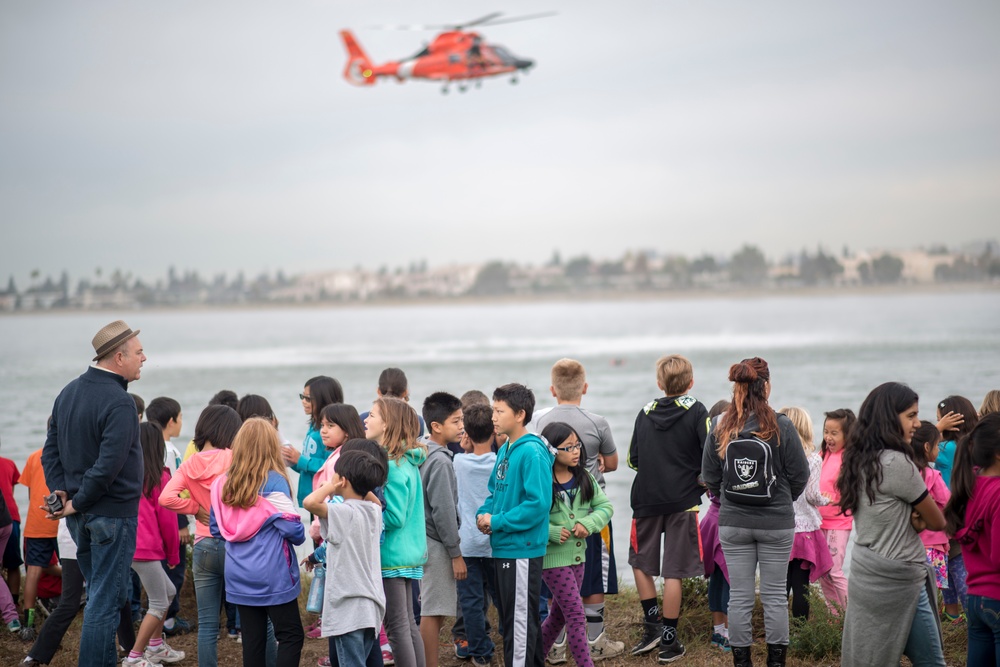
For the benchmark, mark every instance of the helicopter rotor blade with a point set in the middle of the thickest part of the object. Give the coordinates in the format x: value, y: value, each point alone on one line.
x: 514, y: 19
x: 489, y: 19
x: 480, y: 21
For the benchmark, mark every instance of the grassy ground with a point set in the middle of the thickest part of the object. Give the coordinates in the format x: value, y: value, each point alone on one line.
x: 816, y: 643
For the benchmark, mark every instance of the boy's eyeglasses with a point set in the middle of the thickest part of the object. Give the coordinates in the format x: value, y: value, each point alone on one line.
x: 303, y: 397
x: 570, y: 448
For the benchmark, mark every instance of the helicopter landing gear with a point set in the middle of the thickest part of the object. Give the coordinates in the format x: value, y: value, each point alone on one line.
x: 479, y: 84
x: 513, y: 80
x: 444, y: 89
x: 462, y: 87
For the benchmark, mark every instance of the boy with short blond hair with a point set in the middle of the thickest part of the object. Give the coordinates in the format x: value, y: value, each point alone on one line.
x: 600, y: 578
x: 666, y: 452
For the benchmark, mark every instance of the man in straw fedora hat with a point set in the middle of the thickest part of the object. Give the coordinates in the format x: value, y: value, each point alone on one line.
x: 93, y: 463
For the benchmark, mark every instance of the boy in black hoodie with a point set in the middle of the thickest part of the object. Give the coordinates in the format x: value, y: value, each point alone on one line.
x: 665, y: 452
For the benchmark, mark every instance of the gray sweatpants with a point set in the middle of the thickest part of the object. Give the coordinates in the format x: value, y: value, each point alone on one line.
x: 746, y: 549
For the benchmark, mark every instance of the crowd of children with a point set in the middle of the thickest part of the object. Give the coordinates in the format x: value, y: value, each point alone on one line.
x: 421, y: 518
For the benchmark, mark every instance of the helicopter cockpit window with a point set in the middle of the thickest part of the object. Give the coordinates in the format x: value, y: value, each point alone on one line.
x: 426, y: 51
x: 454, y: 58
x: 504, y: 55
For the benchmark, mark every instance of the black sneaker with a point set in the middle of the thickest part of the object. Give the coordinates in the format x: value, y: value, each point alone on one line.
x: 670, y: 651
x: 650, y: 638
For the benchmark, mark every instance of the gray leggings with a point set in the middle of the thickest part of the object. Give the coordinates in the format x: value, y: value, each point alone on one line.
x: 404, y: 637
x: 746, y: 549
x: 159, y: 589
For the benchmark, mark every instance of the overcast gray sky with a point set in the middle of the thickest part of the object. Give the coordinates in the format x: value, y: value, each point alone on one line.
x: 220, y: 136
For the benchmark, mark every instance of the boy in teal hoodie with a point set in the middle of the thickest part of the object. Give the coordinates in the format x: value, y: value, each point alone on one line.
x: 515, y: 516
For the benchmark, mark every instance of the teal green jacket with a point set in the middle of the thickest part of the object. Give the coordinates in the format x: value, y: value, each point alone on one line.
x: 405, y: 544
x: 520, y: 494
x: 593, y: 515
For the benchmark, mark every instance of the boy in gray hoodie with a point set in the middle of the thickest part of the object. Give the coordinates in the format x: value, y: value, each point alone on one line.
x: 442, y: 413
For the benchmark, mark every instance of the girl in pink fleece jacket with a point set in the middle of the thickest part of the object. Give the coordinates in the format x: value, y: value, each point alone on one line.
x: 156, y: 539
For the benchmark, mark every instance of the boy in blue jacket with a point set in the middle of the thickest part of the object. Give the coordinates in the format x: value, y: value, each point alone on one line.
x: 515, y: 516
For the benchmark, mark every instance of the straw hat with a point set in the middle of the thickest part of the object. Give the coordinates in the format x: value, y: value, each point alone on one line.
x: 111, y: 336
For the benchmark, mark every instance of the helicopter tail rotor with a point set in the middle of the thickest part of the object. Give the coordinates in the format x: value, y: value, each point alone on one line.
x: 359, y: 70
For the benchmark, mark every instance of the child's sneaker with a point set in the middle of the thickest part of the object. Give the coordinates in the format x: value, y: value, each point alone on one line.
x: 234, y: 635
x: 323, y: 662
x: 670, y: 651
x: 720, y: 641
x: 557, y: 654
x: 136, y: 662
x: 480, y: 661
x: 954, y: 620
x: 14, y: 626
x: 603, y: 648
x: 315, y: 632
x: 387, y: 657
x: 462, y: 648
x: 163, y: 654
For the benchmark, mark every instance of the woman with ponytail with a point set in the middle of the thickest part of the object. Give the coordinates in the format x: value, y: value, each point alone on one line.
x: 759, y: 534
x: 891, y: 586
x: 973, y: 516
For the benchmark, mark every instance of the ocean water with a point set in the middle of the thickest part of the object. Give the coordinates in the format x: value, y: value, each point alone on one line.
x: 824, y: 351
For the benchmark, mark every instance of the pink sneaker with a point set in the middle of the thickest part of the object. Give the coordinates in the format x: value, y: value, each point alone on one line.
x: 314, y: 632
x: 323, y: 662
x: 387, y: 657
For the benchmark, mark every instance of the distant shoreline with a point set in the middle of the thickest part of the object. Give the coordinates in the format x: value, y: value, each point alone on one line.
x: 562, y: 297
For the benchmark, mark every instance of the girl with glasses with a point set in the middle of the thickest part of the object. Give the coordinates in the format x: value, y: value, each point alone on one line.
x: 579, y: 508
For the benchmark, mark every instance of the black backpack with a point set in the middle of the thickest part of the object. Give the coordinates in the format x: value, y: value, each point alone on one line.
x: 748, y: 475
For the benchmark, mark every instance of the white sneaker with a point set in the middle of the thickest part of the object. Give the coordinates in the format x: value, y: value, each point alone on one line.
x: 163, y: 654
x: 137, y: 662
x: 557, y: 654
x: 603, y: 648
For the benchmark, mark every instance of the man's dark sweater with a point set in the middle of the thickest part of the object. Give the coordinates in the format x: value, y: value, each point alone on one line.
x: 92, y: 450
x: 666, y: 454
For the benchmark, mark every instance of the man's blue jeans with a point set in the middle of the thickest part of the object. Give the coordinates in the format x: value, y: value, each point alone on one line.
x: 471, y: 596
x: 209, y: 572
x: 983, y: 615
x: 923, y: 647
x: 104, y: 550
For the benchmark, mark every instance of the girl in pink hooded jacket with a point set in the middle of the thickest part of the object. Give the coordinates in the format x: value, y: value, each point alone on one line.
x: 156, y: 539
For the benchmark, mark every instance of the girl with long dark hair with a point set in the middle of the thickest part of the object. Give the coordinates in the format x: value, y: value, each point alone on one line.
x: 579, y: 508
x: 760, y: 534
x: 318, y: 393
x: 891, y: 586
x: 974, y: 517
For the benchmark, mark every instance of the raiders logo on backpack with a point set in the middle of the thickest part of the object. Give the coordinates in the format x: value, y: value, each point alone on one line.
x: 748, y: 471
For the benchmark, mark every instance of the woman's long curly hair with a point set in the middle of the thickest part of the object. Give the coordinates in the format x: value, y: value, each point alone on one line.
x: 876, y: 430
x: 749, y: 378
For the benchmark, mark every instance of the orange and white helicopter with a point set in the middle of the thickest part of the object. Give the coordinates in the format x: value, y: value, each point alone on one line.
x: 454, y: 55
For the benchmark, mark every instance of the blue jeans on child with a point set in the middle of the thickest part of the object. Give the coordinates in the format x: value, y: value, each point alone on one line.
x: 923, y: 646
x: 983, y: 616
x: 472, y: 593
x: 355, y: 648
x: 104, y: 549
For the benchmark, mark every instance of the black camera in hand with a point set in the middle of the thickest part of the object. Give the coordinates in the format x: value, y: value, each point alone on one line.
x: 53, y: 503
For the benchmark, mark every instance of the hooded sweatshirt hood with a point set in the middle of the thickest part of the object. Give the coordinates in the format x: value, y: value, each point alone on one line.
x: 665, y: 452
x: 261, y: 566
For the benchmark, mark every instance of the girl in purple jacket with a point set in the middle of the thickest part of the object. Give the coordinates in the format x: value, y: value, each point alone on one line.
x: 252, y: 509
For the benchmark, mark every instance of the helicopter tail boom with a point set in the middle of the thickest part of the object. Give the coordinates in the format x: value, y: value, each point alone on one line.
x: 359, y: 70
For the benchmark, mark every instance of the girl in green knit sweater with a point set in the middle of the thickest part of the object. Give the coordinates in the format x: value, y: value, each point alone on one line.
x: 579, y: 508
